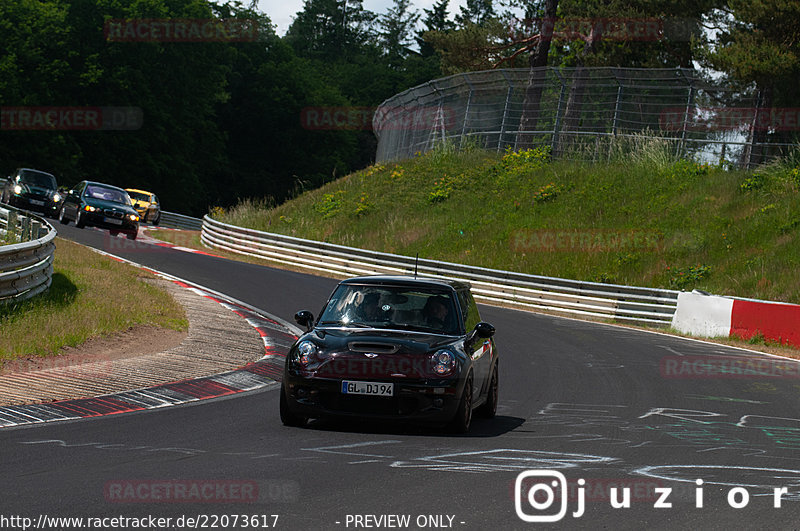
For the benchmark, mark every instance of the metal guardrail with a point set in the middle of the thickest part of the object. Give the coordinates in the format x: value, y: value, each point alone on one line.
x: 26, y: 268
x: 506, y: 288
x: 172, y: 220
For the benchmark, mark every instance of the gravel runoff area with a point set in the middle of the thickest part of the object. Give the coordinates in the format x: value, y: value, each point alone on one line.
x: 218, y: 340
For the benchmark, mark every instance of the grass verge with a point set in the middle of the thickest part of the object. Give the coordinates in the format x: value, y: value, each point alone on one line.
x: 91, y: 295
x: 643, y: 218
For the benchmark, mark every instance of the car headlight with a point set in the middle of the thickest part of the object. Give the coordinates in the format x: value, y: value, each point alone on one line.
x: 56, y: 198
x: 89, y: 208
x: 17, y: 189
x: 305, y: 352
x: 443, y: 362
x: 133, y: 217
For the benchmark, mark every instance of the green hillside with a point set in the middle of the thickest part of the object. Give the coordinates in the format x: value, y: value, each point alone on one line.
x: 641, y: 218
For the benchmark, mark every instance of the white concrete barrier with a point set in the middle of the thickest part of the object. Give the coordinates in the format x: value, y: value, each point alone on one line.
x: 703, y: 315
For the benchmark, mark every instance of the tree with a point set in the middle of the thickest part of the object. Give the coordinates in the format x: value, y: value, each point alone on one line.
x: 538, y: 61
x: 331, y: 29
x: 477, y: 12
x: 759, y: 45
x: 436, y: 19
x: 396, y: 28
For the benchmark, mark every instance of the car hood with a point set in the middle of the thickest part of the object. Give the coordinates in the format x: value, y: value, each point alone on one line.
x: 37, y: 189
x: 364, y: 340
x: 102, y: 203
x: 357, y: 353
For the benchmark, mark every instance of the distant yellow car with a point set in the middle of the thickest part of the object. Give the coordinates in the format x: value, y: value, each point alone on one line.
x: 146, y: 204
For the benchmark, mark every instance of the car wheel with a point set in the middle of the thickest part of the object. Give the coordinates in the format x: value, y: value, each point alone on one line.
x: 463, y: 419
x: 62, y: 218
x: 79, y: 221
x: 158, y: 219
x: 131, y: 235
x: 287, y: 417
x: 489, y: 409
x: 113, y: 232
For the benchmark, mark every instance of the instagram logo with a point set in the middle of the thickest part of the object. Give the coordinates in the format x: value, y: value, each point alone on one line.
x: 540, y: 490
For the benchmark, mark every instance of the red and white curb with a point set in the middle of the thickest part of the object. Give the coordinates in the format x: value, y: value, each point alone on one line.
x: 705, y: 315
x: 277, y: 336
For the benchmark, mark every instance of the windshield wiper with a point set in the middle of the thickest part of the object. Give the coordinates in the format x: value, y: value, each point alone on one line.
x: 353, y: 325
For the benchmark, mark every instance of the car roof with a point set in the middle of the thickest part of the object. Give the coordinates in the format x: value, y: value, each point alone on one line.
x: 408, y: 280
x: 137, y: 190
x: 35, y: 170
x: 95, y: 183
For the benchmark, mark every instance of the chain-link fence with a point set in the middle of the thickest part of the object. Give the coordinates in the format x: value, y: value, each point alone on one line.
x: 585, y: 113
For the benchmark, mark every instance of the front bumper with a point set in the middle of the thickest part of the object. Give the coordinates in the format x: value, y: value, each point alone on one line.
x: 102, y: 221
x: 433, y: 401
x: 41, y: 204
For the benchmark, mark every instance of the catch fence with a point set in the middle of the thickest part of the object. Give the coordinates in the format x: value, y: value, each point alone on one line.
x: 585, y: 113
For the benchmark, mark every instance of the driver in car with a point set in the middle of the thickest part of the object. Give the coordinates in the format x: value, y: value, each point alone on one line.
x: 436, y: 312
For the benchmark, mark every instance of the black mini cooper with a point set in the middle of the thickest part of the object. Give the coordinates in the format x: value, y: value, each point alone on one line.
x: 393, y: 348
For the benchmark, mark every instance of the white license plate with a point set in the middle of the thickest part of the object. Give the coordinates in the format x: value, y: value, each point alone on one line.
x: 37, y: 202
x: 113, y: 221
x: 367, y: 388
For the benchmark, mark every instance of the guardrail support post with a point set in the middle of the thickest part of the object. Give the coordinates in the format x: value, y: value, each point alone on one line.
x: 25, y: 232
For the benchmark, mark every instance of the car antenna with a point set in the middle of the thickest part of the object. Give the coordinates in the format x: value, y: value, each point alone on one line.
x: 416, y: 262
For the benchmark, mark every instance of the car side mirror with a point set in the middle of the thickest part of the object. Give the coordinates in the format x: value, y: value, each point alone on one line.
x: 484, y: 330
x: 305, y: 318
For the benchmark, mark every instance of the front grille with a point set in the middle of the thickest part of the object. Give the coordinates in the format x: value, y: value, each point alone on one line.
x: 369, y: 405
x: 110, y: 213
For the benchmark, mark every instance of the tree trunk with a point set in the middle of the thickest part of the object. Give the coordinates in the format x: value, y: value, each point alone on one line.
x: 537, y: 78
x: 572, y: 114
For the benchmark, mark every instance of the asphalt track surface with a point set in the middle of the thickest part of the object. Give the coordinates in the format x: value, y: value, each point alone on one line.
x: 590, y: 401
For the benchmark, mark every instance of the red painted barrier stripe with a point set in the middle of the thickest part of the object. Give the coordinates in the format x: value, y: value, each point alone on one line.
x: 776, y: 322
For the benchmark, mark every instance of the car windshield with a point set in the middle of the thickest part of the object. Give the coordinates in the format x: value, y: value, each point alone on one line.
x: 107, y: 194
x: 37, y: 178
x: 138, y: 196
x: 393, y: 307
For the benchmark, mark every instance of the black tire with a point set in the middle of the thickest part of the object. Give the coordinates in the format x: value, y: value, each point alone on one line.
x: 131, y: 235
x: 157, y: 220
x: 463, y: 417
x: 288, y: 417
x: 113, y: 232
x: 488, y: 409
x: 63, y: 218
x: 79, y: 221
